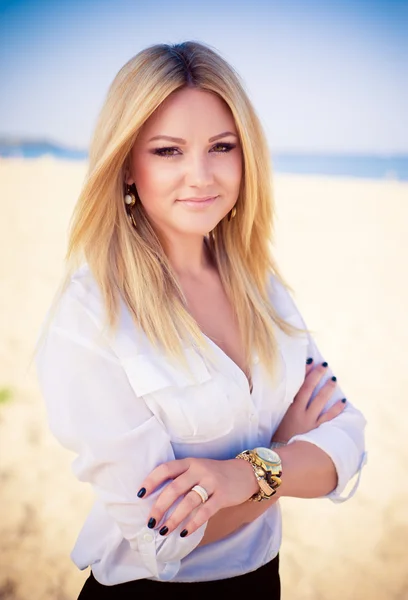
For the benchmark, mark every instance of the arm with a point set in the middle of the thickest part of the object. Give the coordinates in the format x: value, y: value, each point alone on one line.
x: 325, y: 449
x: 228, y: 520
x: 326, y: 441
x: 308, y: 473
x: 93, y: 411
x: 301, y: 417
x: 340, y: 438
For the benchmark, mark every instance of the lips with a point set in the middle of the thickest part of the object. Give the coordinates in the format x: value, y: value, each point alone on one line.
x: 198, y: 203
x: 204, y: 199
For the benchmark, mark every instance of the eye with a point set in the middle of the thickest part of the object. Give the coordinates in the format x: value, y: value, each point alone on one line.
x: 223, y: 147
x: 166, y: 152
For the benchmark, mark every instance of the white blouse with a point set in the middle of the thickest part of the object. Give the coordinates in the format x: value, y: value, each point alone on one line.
x: 124, y: 408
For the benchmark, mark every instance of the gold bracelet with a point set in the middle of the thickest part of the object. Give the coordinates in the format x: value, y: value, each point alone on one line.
x: 266, y: 491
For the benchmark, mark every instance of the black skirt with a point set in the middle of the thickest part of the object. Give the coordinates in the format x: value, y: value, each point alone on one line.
x: 265, y: 579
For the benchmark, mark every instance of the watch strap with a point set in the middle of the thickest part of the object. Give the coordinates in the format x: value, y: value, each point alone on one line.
x: 266, y: 490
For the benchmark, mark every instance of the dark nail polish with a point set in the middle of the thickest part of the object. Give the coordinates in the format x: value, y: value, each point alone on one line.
x: 163, y: 530
x: 325, y: 364
x: 309, y: 361
x: 151, y: 523
x: 334, y: 378
x: 184, y: 533
x: 141, y: 492
x: 344, y: 401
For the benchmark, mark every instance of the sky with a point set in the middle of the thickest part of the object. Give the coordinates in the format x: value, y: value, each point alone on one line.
x: 328, y: 76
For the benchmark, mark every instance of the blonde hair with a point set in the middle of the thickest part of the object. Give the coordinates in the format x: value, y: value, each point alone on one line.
x: 130, y: 263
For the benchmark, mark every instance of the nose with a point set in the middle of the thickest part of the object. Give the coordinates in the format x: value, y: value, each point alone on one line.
x: 199, y: 172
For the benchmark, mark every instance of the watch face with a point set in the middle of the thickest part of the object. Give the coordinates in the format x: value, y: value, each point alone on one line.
x: 270, y: 459
x: 267, y: 455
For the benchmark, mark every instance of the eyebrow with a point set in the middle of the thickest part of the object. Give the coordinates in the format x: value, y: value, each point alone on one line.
x: 181, y: 141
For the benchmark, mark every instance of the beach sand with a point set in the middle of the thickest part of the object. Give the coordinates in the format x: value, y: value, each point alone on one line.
x: 342, y: 246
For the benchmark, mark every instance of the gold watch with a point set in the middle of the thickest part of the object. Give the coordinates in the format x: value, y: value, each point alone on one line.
x: 267, y: 469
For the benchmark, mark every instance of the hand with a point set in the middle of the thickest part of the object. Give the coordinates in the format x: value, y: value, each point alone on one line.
x: 302, y: 415
x: 227, y: 482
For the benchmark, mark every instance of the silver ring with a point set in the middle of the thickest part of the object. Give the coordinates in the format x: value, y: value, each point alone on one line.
x: 202, y: 492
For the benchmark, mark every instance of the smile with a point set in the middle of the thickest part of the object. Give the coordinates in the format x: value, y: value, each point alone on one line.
x: 198, y: 202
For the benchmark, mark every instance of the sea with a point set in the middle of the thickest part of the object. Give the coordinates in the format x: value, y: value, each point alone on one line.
x: 388, y: 167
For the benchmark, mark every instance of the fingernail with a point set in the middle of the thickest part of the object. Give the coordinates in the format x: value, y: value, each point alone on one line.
x: 334, y: 378
x: 344, y: 401
x: 325, y: 364
x: 141, y: 492
x: 151, y: 523
x: 184, y: 533
x: 309, y: 361
x: 163, y: 530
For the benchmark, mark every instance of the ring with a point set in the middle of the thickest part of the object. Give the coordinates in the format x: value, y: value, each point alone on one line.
x: 202, y: 492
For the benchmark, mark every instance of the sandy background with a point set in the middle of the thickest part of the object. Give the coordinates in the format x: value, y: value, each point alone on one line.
x: 343, y: 247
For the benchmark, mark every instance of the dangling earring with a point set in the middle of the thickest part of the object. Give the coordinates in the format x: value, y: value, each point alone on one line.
x: 232, y: 214
x: 130, y: 201
x: 130, y: 198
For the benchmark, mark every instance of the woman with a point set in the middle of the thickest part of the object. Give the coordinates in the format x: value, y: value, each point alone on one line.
x: 175, y: 354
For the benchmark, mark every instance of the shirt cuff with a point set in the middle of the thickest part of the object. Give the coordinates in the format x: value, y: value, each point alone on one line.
x: 162, y: 555
x: 347, y: 458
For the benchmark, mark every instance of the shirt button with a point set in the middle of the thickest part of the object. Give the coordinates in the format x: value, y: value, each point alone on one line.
x: 256, y: 360
x: 148, y: 537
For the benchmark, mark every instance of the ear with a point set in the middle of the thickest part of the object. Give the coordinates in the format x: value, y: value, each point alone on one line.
x: 127, y: 174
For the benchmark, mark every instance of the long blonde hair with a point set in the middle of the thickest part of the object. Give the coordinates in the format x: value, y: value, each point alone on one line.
x: 130, y: 263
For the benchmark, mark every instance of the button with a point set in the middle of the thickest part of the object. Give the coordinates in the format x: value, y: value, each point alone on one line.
x: 148, y: 537
x: 256, y: 360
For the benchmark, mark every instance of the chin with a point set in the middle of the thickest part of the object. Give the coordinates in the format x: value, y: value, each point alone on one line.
x: 199, y: 226
x: 193, y: 232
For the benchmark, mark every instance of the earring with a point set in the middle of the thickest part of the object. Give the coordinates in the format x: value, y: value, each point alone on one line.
x: 232, y: 214
x: 130, y: 200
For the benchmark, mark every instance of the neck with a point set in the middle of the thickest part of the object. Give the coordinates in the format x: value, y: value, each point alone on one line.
x: 189, y: 257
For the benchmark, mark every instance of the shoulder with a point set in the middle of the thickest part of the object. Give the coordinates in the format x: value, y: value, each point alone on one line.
x: 81, y: 310
x: 83, y: 286
x: 280, y: 295
x: 78, y: 298
x: 290, y: 320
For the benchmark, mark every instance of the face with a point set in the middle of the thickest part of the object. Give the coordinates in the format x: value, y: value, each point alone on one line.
x: 187, y: 164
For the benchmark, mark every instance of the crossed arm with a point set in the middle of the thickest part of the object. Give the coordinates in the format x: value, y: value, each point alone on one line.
x: 308, y: 472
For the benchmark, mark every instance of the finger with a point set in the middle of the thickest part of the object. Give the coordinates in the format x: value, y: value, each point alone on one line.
x: 333, y: 412
x: 187, y: 506
x: 172, y: 492
x: 309, y: 365
x: 201, y: 515
x: 162, y: 473
x: 309, y: 384
x: 320, y: 401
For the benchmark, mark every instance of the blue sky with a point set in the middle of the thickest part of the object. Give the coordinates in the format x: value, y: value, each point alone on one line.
x: 327, y: 76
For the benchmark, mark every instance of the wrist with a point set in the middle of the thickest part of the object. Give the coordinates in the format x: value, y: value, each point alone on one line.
x: 277, y: 444
x: 267, y: 468
x: 309, y: 471
x: 247, y: 468
x: 285, y: 452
